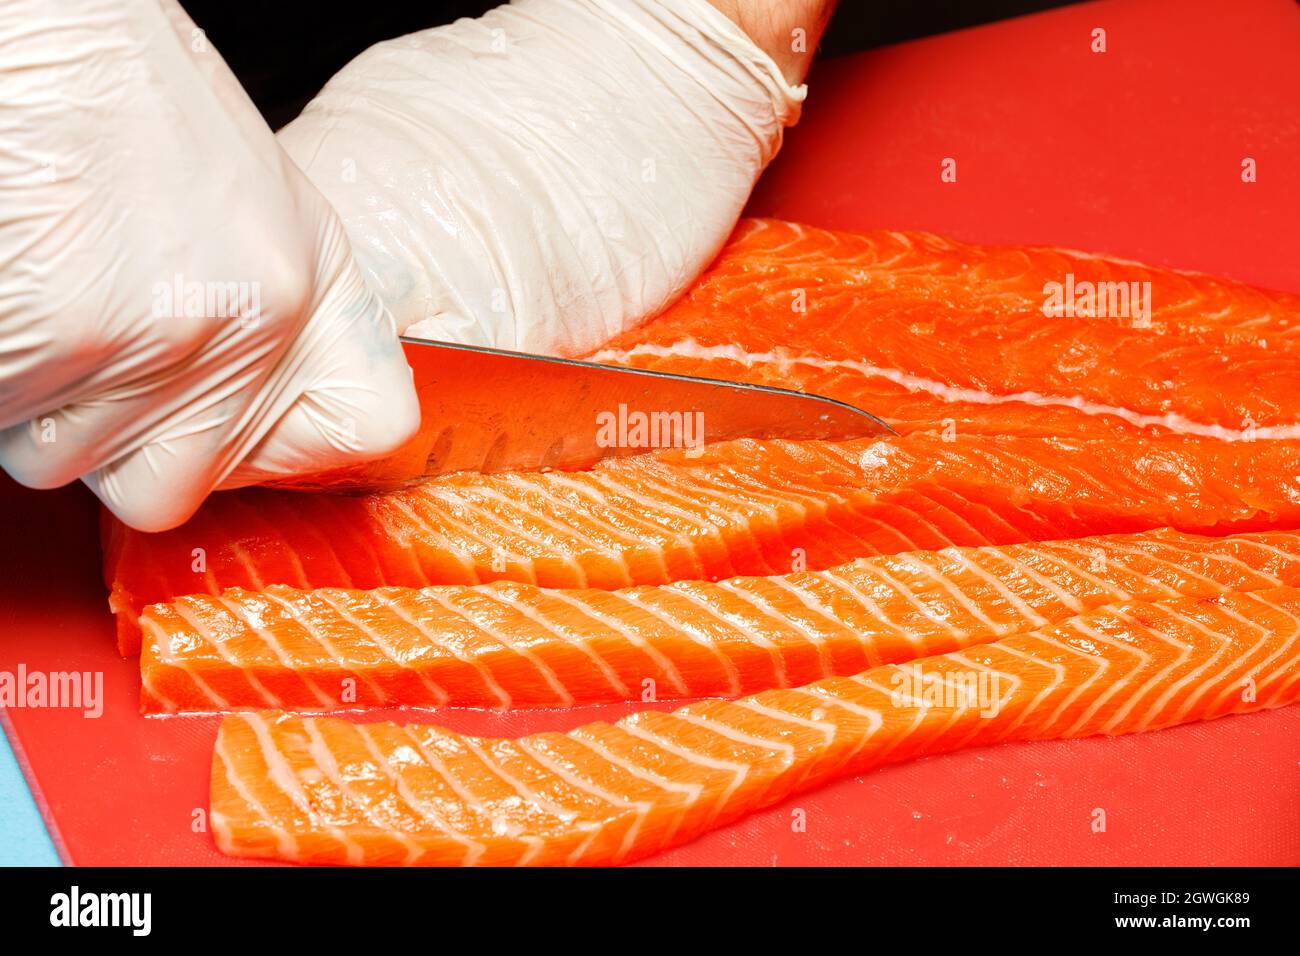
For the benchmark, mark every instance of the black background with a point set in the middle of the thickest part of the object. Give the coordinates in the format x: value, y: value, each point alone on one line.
x: 283, y: 51
x: 735, y: 910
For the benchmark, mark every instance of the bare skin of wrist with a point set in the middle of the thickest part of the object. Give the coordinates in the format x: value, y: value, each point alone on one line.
x: 775, y: 26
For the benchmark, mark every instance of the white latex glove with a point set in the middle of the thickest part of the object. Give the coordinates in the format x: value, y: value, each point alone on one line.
x: 549, y: 174
x: 131, y: 165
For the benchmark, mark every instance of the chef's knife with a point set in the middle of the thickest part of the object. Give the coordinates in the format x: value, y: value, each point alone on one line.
x: 489, y: 410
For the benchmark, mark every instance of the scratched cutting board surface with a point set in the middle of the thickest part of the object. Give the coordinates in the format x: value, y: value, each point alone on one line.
x: 1136, y: 152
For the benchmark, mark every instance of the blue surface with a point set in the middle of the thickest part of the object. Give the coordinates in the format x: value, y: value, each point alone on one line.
x: 23, y: 840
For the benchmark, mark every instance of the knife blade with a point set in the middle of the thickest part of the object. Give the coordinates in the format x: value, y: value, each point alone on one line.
x: 490, y: 410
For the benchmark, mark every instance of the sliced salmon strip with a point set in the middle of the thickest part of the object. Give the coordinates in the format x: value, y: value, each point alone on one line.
x: 766, y: 261
x: 741, y: 508
x: 918, y: 328
x: 516, y: 645
x: 327, y: 791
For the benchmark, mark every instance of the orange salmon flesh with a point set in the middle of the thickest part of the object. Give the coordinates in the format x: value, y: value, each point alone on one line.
x: 1086, y: 524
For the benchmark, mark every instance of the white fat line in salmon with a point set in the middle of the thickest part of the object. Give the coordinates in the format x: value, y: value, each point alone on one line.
x: 1178, y: 424
x: 74, y: 690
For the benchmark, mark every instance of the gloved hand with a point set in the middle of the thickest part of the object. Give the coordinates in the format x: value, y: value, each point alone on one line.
x: 179, y: 308
x: 551, y: 173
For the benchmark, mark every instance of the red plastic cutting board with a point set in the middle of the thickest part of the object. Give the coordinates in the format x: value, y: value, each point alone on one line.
x: 1136, y: 151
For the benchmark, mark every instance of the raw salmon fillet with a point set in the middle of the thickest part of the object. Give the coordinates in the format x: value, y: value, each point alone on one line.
x: 893, y: 265
x: 918, y: 329
x: 516, y: 645
x: 327, y: 791
x: 742, y: 508
x: 1086, y: 525
x: 1018, y: 426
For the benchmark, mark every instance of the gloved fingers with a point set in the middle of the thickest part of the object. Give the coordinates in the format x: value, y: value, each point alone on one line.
x: 162, y: 483
x: 198, y: 394
x: 72, y: 325
x: 336, y: 423
x: 152, y: 397
x: 356, y: 400
x: 51, y: 449
x: 199, y: 435
x: 341, y: 393
x: 161, y: 477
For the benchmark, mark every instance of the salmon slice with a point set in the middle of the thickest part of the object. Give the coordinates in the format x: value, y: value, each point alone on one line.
x: 766, y: 261
x: 510, y: 645
x: 741, y: 508
x: 907, y: 324
x: 328, y: 791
